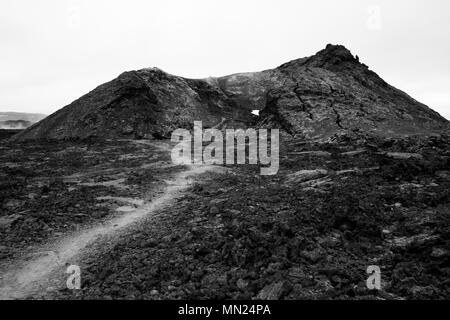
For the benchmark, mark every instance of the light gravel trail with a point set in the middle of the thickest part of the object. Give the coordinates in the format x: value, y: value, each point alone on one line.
x: 24, y: 279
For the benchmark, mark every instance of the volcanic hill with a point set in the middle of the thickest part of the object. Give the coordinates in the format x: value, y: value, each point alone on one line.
x: 311, y: 97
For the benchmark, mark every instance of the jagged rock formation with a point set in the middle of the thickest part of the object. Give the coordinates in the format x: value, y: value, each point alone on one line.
x: 311, y: 97
x: 331, y: 91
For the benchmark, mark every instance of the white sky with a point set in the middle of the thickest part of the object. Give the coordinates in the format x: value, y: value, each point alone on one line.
x: 52, y: 52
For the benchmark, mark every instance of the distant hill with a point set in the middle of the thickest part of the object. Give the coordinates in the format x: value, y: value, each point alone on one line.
x: 15, y: 124
x: 31, y: 117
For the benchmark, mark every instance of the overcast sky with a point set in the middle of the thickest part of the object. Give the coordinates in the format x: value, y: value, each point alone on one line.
x: 52, y: 52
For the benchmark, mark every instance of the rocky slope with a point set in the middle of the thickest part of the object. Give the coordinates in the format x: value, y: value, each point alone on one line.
x: 333, y: 91
x: 138, y: 104
x: 311, y: 97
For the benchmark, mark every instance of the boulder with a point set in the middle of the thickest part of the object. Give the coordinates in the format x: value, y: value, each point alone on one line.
x: 305, y: 175
x: 273, y: 291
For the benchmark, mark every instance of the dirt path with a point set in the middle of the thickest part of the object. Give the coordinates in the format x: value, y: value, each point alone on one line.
x: 29, y: 278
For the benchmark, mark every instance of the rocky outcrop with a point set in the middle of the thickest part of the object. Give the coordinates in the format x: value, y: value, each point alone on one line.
x: 311, y: 97
x: 332, y: 91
